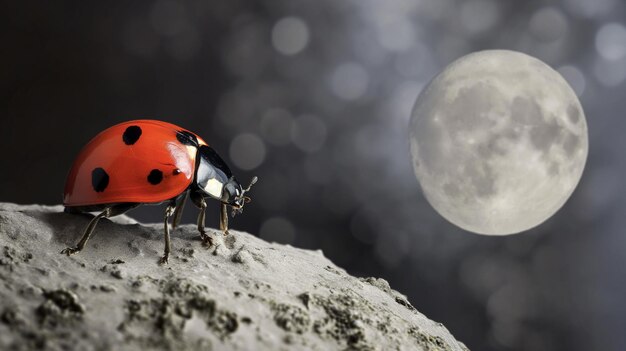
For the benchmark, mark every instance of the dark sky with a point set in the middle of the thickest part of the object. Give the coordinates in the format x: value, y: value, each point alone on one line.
x: 314, y: 98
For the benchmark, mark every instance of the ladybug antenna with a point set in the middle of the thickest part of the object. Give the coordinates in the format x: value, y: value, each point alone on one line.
x: 252, y: 182
x: 246, y: 199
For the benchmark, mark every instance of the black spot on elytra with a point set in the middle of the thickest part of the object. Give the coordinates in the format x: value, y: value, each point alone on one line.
x: 155, y: 177
x: 99, y: 179
x: 131, y: 135
x: 186, y: 138
x: 176, y: 171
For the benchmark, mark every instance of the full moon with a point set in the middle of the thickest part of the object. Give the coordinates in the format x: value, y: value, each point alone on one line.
x: 498, y: 141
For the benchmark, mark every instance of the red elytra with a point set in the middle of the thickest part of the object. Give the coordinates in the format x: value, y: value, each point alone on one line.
x: 149, y: 162
x: 129, y: 163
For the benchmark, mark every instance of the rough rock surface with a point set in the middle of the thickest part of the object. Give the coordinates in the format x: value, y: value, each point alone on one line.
x: 241, y: 294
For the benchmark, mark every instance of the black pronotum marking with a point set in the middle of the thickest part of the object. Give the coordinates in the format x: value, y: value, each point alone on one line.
x: 186, y: 138
x: 215, y: 160
x: 131, y: 135
x: 155, y: 177
x: 99, y: 179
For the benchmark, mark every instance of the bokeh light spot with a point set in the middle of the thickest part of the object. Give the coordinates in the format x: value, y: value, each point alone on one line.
x: 395, y: 33
x: 290, y: 35
x: 611, y: 41
x: 391, y: 250
x: 308, y: 133
x: 276, y: 126
x: 349, y: 81
x: 247, y: 151
x: 548, y: 24
x: 479, y: 15
x: 590, y: 9
x: 610, y: 73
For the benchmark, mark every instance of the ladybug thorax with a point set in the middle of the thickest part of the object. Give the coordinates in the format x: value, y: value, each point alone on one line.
x: 213, y: 177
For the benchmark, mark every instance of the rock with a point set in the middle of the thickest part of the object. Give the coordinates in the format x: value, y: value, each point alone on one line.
x: 240, y: 294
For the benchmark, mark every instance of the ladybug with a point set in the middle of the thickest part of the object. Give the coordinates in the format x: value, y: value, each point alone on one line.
x: 150, y: 162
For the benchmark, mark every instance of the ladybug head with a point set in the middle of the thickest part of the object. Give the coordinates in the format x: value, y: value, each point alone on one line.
x: 234, y: 194
x: 213, y: 178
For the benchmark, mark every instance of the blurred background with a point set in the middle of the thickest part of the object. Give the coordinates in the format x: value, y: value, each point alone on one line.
x: 314, y: 97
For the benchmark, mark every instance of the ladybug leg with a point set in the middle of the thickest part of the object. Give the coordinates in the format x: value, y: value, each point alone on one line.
x: 224, y: 219
x: 178, y: 212
x: 169, y: 210
x: 90, y: 228
x: 206, y: 239
x: 200, y: 202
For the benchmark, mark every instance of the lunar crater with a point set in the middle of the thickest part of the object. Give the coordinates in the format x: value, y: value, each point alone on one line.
x: 470, y: 109
x: 544, y: 135
x: 573, y: 113
x: 525, y: 111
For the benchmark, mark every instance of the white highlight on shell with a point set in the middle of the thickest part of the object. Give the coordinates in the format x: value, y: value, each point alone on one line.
x: 214, y: 188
